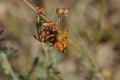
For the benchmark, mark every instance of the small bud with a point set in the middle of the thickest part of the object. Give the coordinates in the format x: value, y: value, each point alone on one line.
x: 41, y: 9
x: 62, y: 11
x: 59, y: 11
x: 66, y: 10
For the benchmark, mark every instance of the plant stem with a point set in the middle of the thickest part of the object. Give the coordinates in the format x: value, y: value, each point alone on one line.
x: 34, y: 9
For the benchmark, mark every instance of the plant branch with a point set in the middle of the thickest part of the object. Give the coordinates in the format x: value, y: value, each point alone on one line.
x: 34, y: 9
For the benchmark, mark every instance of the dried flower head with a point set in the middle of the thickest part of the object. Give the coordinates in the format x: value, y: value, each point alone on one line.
x: 51, y: 33
x: 62, y: 11
x: 48, y: 32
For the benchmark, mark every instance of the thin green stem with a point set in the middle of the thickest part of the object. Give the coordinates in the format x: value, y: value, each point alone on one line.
x: 46, y: 54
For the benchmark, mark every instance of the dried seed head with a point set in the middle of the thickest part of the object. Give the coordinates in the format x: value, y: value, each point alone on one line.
x: 66, y: 10
x: 59, y: 11
x: 48, y: 32
x: 62, y: 11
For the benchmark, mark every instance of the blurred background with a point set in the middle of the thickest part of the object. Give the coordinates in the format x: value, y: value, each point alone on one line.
x: 93, y: 52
